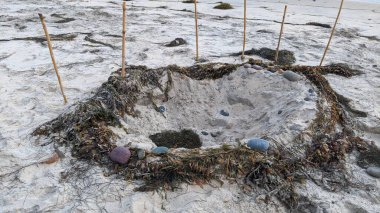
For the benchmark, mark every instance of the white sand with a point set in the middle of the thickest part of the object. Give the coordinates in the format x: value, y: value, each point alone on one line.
x: 29, y: 94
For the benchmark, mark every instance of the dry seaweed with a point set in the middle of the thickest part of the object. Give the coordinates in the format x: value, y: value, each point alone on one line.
x: 186, y: 138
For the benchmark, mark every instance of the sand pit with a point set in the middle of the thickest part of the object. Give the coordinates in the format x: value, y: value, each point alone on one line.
x: 245, y: 104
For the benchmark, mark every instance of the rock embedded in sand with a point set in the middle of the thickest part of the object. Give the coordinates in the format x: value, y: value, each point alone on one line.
x: 176, y: 42
x: 120, y: 155
x: 373, y: 171
x: 160, y: 150
x: 291, y: 76
x: 257, y: 67
x: 258, y: 144
x: 224, y: 113
x: 161, y: 109
x: 204, y: 133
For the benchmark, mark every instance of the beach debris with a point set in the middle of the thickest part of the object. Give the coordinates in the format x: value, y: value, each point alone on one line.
x: 204, y: 133
x: 224, y: 113
x: 160, y: 150
x: 258, y: 144
x: 123, y: 42
x: 318, y: 24
x: 281, y: 31
x: 176, y: 42
x: 161, y: 109
x: 257, y: 67
x: 186, y: 138
x: 291, y: 76
x: 373, y: 171
x: 42, y: 18
x: 285, y: 57
x: 223, y: 6
x: 141, y: 154
x: 52, y: 159
x: 120, y: 154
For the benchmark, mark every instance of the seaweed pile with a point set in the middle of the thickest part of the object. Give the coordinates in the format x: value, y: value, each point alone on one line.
x: 322, y: 147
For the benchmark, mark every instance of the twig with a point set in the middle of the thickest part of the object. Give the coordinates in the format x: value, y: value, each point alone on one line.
x: 279, y: 38
x: 196, y: 30
x: 332, y: 33
x: 245, y: 26
x: 123, y: 44
x: 42, y: 18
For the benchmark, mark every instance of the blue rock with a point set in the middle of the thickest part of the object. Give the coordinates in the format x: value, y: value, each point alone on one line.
x: 160, y: 150
x: 204, y: 133
x: 258, y: 144
x: 224, y: 113
x: 161, y: 109
x: 373, y: 171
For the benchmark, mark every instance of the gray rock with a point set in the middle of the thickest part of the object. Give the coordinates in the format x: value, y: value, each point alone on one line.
x: 141, y: 154
x: 257, y: 67
x: 291, y: 76
x: 247, y: 66
x: 307, y: 99
x: 373, y: 171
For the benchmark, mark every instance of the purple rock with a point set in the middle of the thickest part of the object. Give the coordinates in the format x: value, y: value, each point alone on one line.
x: 120, y: 155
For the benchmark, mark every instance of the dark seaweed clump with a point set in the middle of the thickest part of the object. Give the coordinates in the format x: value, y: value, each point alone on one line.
x: 173, y: 139
x: 285, y: 57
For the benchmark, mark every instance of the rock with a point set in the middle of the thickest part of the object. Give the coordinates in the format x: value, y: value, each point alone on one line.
x: 204, y: 133
x: 279, y: 112
x: 258, y: 144
x: 120, y: 155
x: 257, y: 67
x: 291, y: 76
x: 247, y: 66
x: 176, y: 42
x: 215, y: 134
x: 307, y: 99
x: 161, y: 109
x: 311, y: 91
x: 160, y: 150
x: 373, y: 171
x: 251, y: 70
x: 141, y: 154
x: 224, y: 113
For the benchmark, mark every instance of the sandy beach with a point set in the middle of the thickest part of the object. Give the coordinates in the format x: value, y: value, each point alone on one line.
x: 87, y: 46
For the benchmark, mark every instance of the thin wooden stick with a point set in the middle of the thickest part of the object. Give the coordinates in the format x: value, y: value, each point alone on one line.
x: 279, y: 38
x: 123, y: 44
x: 245, y: 27
x: 42, y: 18
x: 196, y: 30
x: 332, y: 33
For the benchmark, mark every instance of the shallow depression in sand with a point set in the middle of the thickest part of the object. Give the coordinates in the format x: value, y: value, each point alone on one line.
x: 254, y: 104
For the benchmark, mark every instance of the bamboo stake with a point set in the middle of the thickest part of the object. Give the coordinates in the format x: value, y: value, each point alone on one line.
x: 196, y: 30
x: 123, y: 44
x: 42, y: 18
x: 279, y: 38
x: 332, y: 33
x: 245, y: 26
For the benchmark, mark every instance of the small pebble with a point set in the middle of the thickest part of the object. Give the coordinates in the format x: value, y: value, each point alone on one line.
x: 141, y: 154
x: 374, y: 65
x: 204, y: 133
x: 279, y: 112
x: 160, y: 150
x: 161, y: 109
x: 247, y: 66
x: 120, y: 155
x: 311, y: 91
x: 291, y: 76
x: 258, y: 144
x: 224, y: 113
x: 257, y: 67
x: 307, y: 99
x: 373, y: 171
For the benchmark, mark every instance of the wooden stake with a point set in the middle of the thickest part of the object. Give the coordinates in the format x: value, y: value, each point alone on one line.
x: 332, y: 33
x: 279, y: 38
x: 123, y: 44
x: 196, y: 30
x: 42, y: 18
x: 245, y: 26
